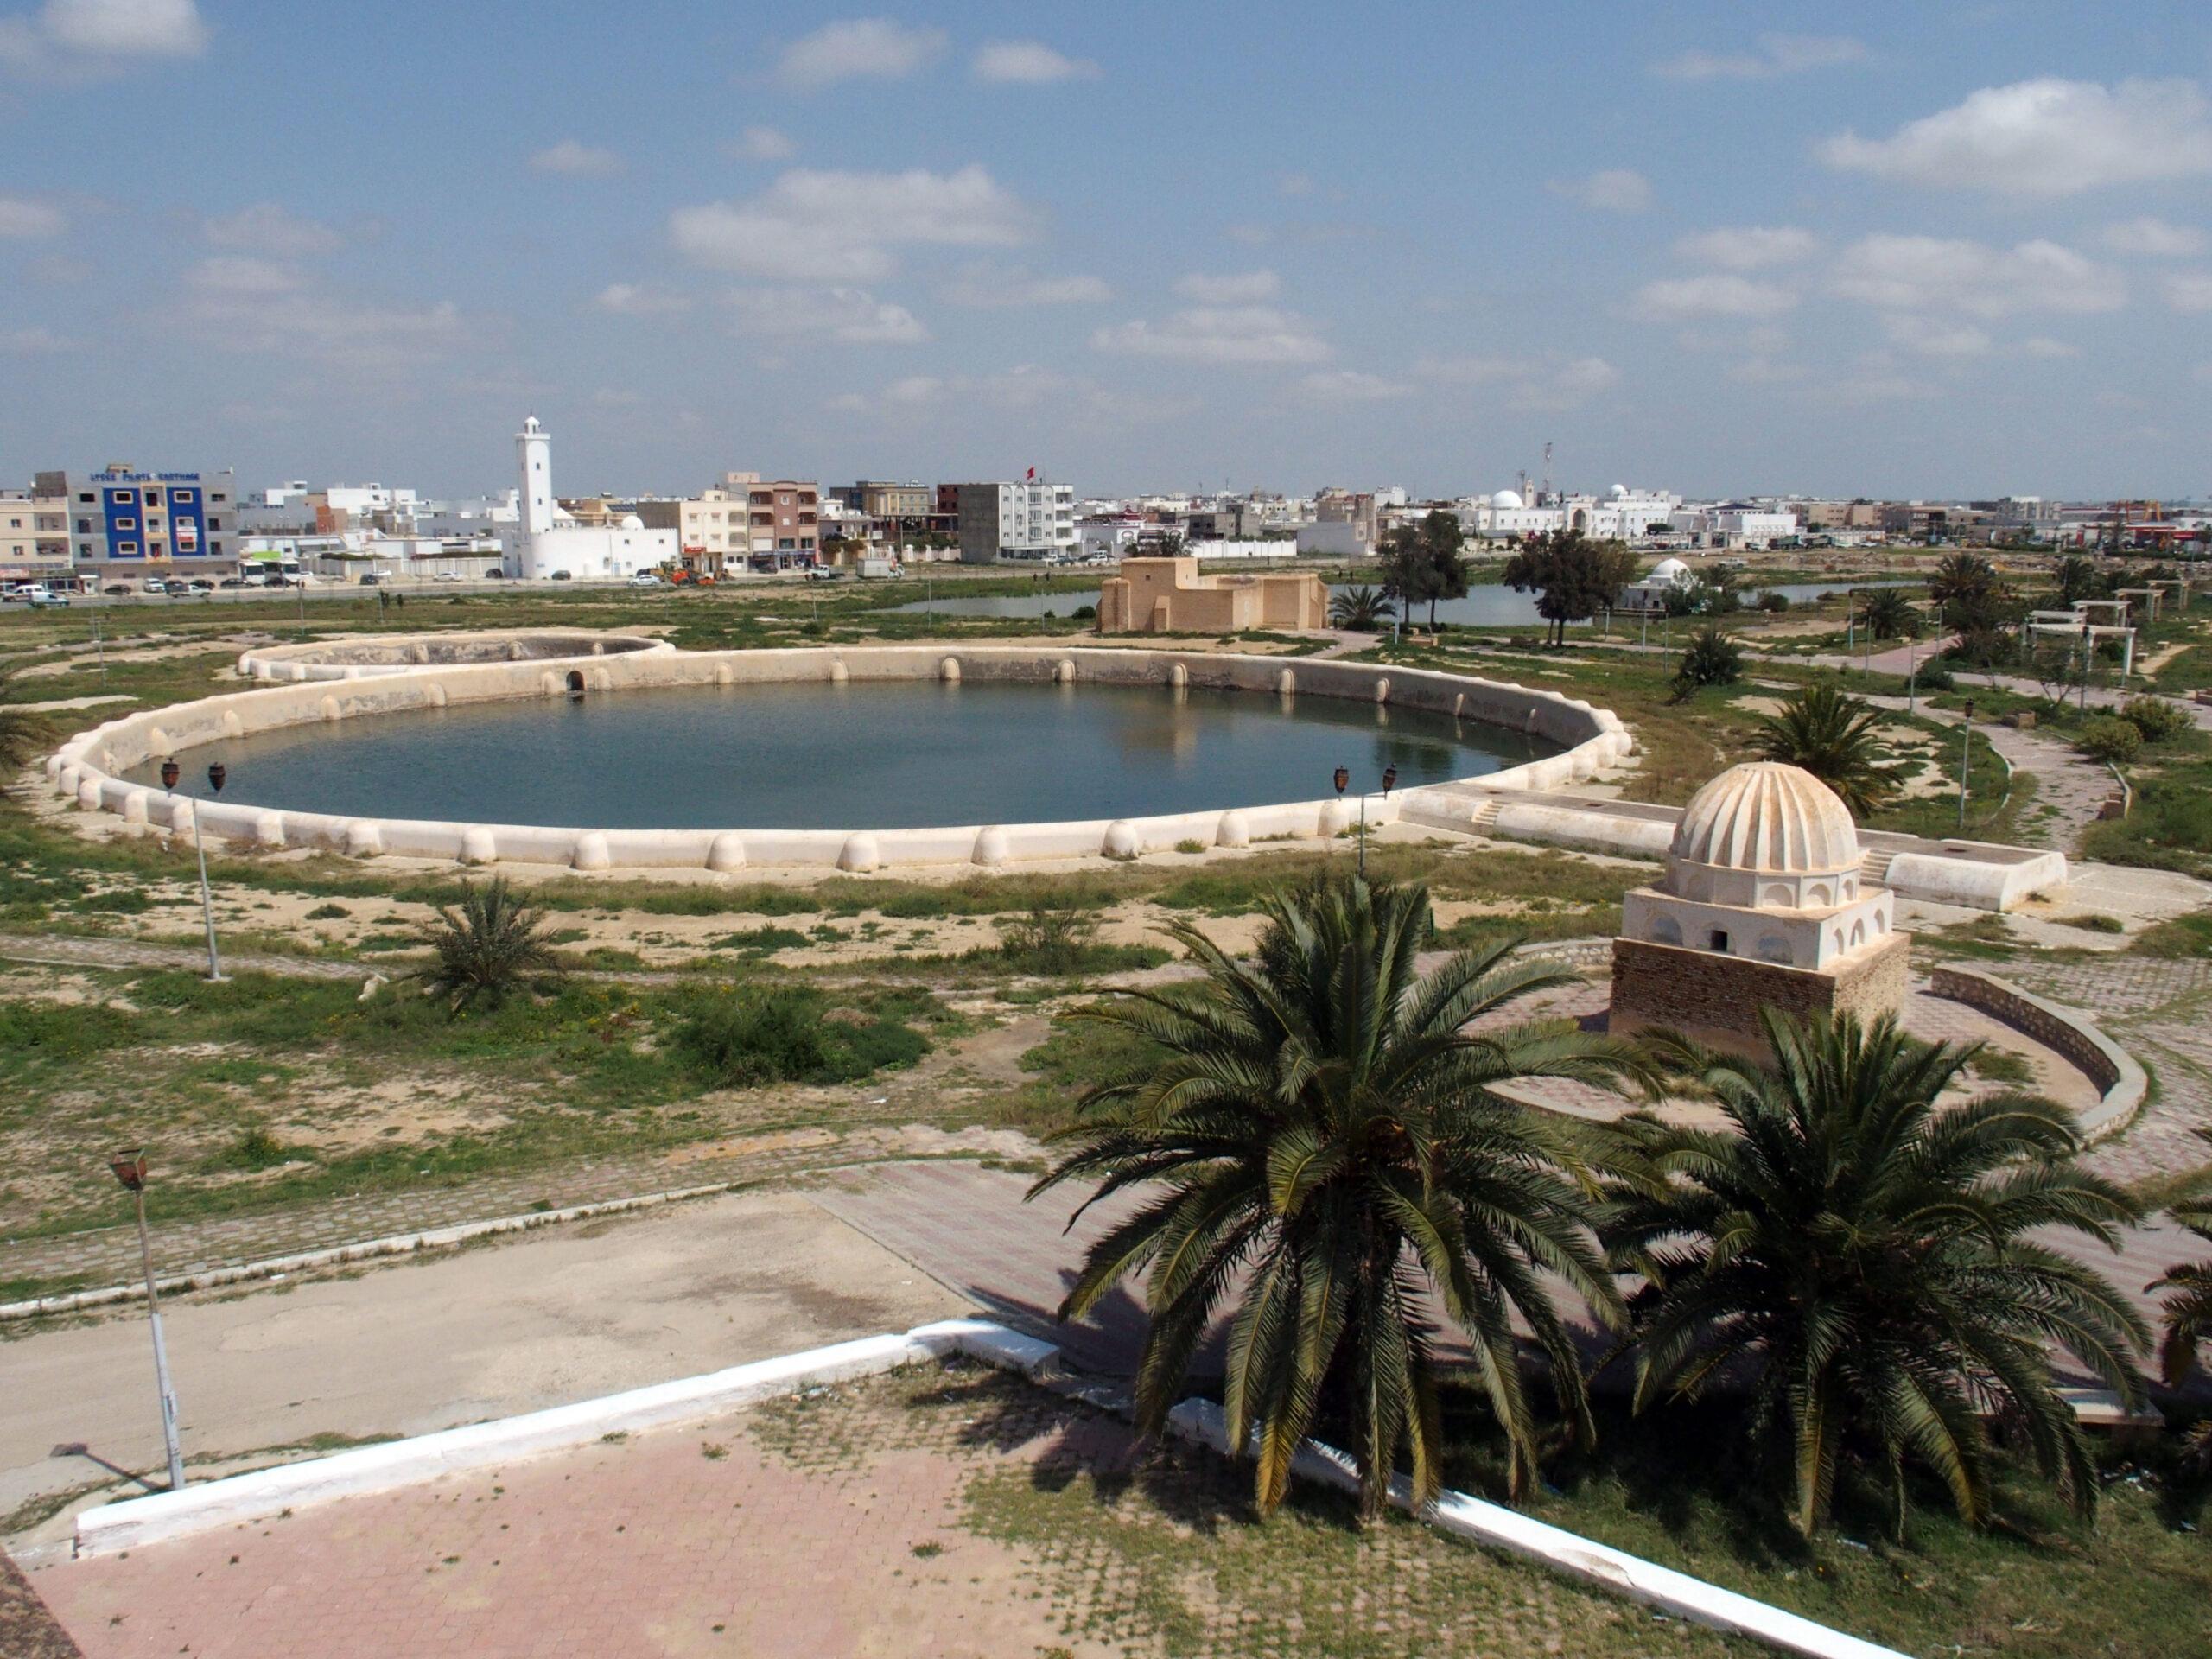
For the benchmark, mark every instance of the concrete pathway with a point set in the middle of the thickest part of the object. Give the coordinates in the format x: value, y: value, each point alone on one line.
x: 458, y: 1336
x: 2070, y: 788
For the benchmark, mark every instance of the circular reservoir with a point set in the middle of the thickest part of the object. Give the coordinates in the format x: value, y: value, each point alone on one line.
x: 806, y: 755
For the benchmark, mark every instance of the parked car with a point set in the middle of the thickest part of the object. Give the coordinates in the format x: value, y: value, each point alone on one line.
x: 645, y: 579
x: 372, y: 580
x: 157, y: 585
x: 558, y: 576
x: 200, y: 585
x: 41, y: 597
x: 824, y: 573
x: 231, y: 581
x: 117, y: 590
x: 451, y: 576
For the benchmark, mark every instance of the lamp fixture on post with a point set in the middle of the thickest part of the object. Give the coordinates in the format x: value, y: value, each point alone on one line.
x: 217, y: 775
x: 1343, y: 781
x: 130, y: 1168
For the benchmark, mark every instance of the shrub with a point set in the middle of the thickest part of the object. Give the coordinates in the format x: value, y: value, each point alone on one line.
x: 1775, y: 602
x: 750, y: 1036
x: 1046, y: 941
x: 1083, y: 614
x: 1712, y: 658
x: 2156, y: 719
x: 2109, y: 739
x: 487, y: 948
x: 1934, y: 677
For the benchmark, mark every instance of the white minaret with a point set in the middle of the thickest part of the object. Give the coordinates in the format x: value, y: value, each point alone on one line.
x: 534, y: 454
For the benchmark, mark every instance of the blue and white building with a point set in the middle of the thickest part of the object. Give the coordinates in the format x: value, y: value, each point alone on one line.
x: 126, y: 525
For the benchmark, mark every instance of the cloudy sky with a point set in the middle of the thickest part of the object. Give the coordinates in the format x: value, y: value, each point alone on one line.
x: 1925, y: 248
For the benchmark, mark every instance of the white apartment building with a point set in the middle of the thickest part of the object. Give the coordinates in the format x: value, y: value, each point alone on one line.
x: 1029, y: 521
x: 33, y: 538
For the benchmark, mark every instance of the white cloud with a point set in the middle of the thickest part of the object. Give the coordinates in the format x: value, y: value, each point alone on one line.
x: 1029, y: 63
x: 988, y: 288
x: 1241, y: 288
x: 1616, y: 190
x: 2190, y: 291
x: 1537, y: 383
x: 1928, y: 273
x: 1025, y: 388
x: 849, y: 317
x: 617, y: 397
x: 1937, y: 337
x: 1294, y: 184
x: 259, y: 306
x: 1220, y: 335
x: 759, y: 144
x: 2047, y: 137
x: 859, y: 48
x: 34, y: 342
x: 1349, y: 386
x: 124, y: 28
x: 840, y: 228
x: 2044, y: 346
x: 1748, y: 247
x: 1764, y: 371
x: 238, y: 275
x: 1775, y: 54
x: 267, y: 228
x: 637, y: 300
x: 2155, y: 239
x: 1714, y: 295
x: 577, y: 161
x: 21, y: 217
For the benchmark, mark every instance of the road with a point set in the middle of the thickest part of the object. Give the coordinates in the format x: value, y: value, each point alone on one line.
x: 567, y: 1313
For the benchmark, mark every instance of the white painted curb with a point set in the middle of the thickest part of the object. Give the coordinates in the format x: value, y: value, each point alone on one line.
x: 267, y: 1492
x: 1599, y: 1566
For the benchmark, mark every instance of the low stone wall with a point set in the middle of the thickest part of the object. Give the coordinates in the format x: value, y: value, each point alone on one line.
x: 358, y: 656
x: 85, y: 768
x: 2065, y: 1031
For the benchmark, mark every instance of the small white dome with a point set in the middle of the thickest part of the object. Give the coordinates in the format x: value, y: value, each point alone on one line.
x: 1617, y: 490
x: 1667, y: 570
x: 631, y: 521
x: 1506, y: 499
x: 1766, y: 817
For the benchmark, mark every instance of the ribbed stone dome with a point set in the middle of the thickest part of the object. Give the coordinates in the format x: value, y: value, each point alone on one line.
x: 1767, y: 817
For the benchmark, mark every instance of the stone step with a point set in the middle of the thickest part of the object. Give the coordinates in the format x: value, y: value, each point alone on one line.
x: 1874, y: 867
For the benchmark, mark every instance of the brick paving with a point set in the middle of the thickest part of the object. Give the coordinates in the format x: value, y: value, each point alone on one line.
x: 927, y: 1513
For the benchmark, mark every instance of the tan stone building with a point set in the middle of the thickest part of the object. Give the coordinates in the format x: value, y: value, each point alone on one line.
x: 1170, y: 596
x: 1763, y: 905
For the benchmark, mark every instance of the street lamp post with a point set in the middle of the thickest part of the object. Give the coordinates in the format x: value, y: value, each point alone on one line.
x: 130, y: 1168
x: 1965, y: 761
x: 216, y: 775
x: 1390, y: 782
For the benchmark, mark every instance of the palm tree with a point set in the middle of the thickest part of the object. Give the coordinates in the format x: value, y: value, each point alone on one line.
x: 1889, y: 615
x: 24, y: 735
x: 1361, y: 610
x: 487, y: 948
x: 1860, y: 1259
x: 1712, y: 658
x: 1325, y: 1147
x: 2078, y: 578
x: 2188, y: 1310
x: 1835, y: 737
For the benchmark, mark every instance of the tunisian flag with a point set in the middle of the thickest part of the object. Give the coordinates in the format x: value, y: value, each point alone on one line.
x: 1033, y: 475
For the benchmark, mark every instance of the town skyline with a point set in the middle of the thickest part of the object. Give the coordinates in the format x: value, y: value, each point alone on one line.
x: 1954, y: 252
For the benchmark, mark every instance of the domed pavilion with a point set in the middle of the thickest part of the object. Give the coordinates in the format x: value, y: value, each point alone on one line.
x: 1763, y: 905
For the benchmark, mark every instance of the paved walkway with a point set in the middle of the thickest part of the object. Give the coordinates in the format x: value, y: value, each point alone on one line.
x: 919, y: 1516
x: 56, y: 950
x: 110, y: 1255
x: 2070, y: 788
